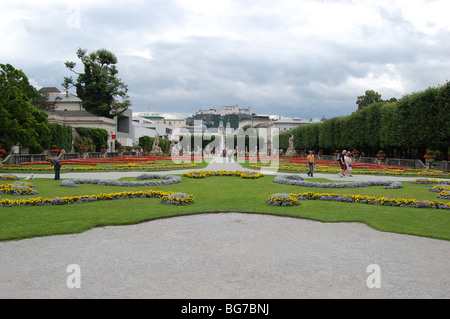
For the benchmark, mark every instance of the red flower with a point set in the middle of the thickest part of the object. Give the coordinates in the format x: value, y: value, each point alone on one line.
x: 381, y: 155
x: 2, y: 150
x: 103, y: 150
x: 54, y: 150
x: 83, y: 148
x: 429, y: 156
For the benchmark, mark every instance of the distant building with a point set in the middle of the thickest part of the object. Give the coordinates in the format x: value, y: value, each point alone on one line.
x: 226, y: 110
x: 146, y: 124
x: 55, y: 100
x: 211, y: 117
x: 157, y: 118
x: 287, y: 124
x: 67, y: 109
x: 283, y: 124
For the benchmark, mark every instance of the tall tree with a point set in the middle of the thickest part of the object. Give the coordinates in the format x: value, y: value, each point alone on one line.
x: 101, y: 91
x: 21, y: 123
x: 368, y: 98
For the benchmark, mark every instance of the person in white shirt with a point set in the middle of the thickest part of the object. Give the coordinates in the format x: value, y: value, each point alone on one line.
x: 348, y: 163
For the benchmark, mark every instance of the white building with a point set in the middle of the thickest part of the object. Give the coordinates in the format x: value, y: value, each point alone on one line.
x: 66, y: 109
x: 144, y: 127
x: 284, y: 124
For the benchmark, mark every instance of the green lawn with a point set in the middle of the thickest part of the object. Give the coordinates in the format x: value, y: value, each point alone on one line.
x: 217, y: 194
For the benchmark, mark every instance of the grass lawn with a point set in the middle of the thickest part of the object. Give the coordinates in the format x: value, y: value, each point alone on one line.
x: 217, y: 194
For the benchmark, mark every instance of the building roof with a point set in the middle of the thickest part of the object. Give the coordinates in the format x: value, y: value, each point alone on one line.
x: 47, y: 90
x: 63, y: 98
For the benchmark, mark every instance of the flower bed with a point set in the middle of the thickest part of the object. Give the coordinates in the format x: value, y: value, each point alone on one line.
x: 282, y: 199
x: 443, y: 187
x: 18, y: 189
x: 445, y: 194
x: 385, y: 201
x: 8, y: 178
x: 204, y: 174
x: 85, y: 198
x: 163, y: 180
x: 299, y: 181
x: 428, y: 181
x: 177, y: 199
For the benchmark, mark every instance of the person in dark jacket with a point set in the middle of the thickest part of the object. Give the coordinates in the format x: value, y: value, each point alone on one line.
x: 56, y: 163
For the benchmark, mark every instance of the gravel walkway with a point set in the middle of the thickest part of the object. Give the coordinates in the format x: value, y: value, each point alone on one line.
x: 226, y: 255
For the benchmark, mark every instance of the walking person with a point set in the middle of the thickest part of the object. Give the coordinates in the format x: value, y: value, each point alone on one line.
x: 342, y: 163
x: 229, y: 154
x: 310, y: 159
x: 348, y: 164
x: 224, y: 155
x: 56, y: 163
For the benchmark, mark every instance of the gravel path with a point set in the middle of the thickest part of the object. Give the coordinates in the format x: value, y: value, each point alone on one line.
x: 226, y: 255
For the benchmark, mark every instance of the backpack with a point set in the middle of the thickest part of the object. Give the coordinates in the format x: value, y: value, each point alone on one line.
x: 338, y: 157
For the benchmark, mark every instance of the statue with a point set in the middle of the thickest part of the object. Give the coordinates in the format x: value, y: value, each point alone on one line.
x: 291, y: 150
x: 156, y: 150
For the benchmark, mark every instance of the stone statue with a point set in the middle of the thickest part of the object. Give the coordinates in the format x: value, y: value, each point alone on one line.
x: 291, y: 150
x: 291, y: 141
x: 156, y: 150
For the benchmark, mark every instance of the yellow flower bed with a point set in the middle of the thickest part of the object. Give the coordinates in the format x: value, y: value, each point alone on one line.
x: 90, y: 198
x: 204, y: 174
x: 386, y: 201
x: 18, y: 189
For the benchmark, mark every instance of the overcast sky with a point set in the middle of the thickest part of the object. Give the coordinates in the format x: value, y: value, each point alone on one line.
x: 294, y: 58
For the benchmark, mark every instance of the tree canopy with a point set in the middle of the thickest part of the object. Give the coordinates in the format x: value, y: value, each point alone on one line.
x: 407, y: 127
x: 368, y: 98
x: 21, y: 123
x: 101, y: 91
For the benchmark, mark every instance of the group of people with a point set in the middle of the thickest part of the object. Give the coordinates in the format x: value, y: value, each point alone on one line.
x: 345, y: 161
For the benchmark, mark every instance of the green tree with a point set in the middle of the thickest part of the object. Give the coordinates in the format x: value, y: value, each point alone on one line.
x: 101, y: 91
x: 61, y: 136
x: 98, y: 136
x: 146, y: 142
x: 84, y: 141
x: 21, y: 123
x: 368, y: 98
